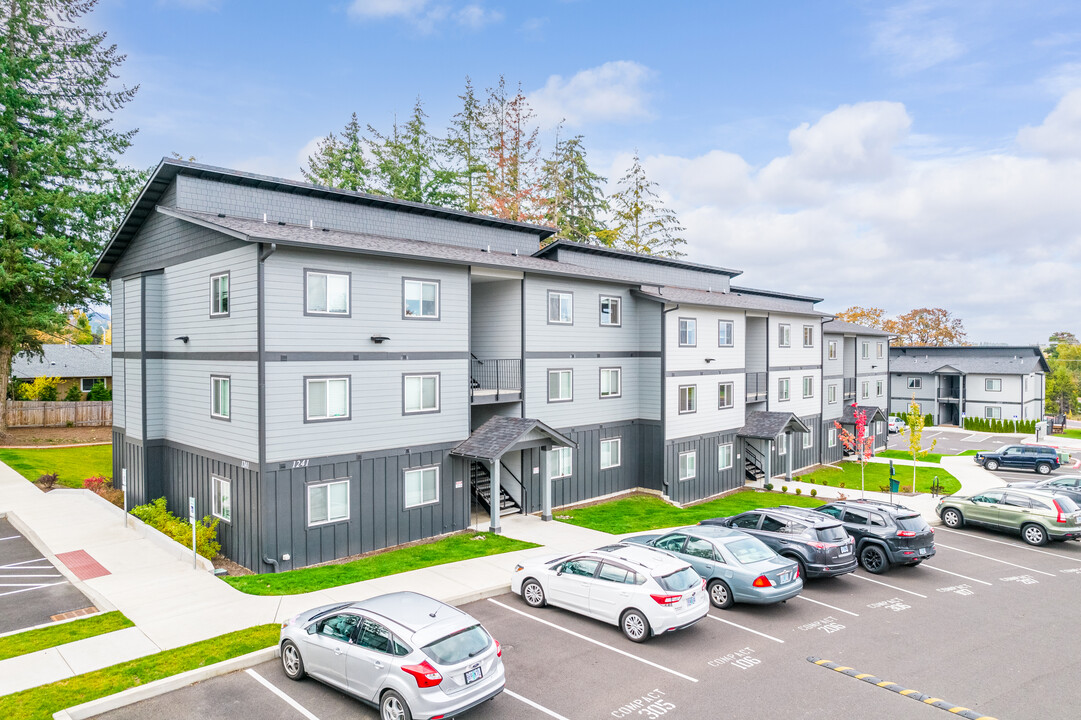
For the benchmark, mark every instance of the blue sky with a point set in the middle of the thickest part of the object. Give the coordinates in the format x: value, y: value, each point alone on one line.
x: 896, y: 155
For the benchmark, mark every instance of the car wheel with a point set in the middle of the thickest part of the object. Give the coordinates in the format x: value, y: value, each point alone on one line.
x: 1034, y: 534
x: 990, y: 464
x: 292, y: 663
x: 533, y: 593
x: 952, y: 518
x: 720, y: 594
x: 393, y: 707
x: 1043, y: 468
x: 802, y: 566
x: 873, y: 559
x: 635, y: 626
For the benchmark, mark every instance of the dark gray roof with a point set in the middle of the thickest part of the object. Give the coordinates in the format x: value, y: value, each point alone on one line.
x: 501, y: 434
x: 169, y: 168
x: 65, y: 361
x: 874, y: 412
x: 768, y: 425
x: 613, y: 252
x: 774, y: 294
x: 969, y: 359
x: 842, y: 327
x: 732, y: 299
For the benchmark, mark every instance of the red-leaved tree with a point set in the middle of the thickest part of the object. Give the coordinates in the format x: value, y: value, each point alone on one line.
x: 860, y: 443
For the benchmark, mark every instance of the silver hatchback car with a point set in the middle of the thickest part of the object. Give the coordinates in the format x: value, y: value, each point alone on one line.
x: 407, y: 654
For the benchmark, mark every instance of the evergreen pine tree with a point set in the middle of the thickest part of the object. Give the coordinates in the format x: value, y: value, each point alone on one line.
x: 339, y: 161
x: 466, y: 152
x: 407, y: 163
x: 513, y: 182
x: 573, y: 198
x: 643, y: 223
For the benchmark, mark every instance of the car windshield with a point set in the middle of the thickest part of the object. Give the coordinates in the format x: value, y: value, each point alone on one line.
x: 458, y: 647
x: 750, y: 550
x: 832, y: 533
x: 1067, y: 504
x: 914, y: 523
x: 679, y: 581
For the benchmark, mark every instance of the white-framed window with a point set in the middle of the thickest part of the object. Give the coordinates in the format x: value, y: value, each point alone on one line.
x: 420, y: 393
x: 879, y: 427
x: 611, y: 311
x: 880, y: 387
x: 221, y: 499
x: 688, y: 399
x: 782, y: 389
x: 421, y: 486
x: 724, y: 456
x: 87, y: 384
x: 808, y: 336
x: 831, y: 393
x: 991, y: 412
x: 560, y: 308
x: 560, y: 385
x: 832, y: 349
x: 992, y: 384
x: 326, y: 398
x: 559, y: 462
x: 611, y: 382
x: 420, y: 299
x: 782, y: 445
x: 726, y: 395
x: 724, y: 333
x: 784, y: 335
x: 865, y: 389
x: 327, y: 293
x: 880, y: 351
x: 219, y: 295
x: 832, y: 437
x: 688, y: 332
x: 808, y: 437
x: 808, y: 386
x: 611, y: 452
x: 220, y: 396
x: 865, y: 350
x: 328, y: 502
x: 687, y: 465
x: 915, y: 383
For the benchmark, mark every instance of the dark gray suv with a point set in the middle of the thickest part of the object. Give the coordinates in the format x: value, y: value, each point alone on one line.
x: 1041, y: 458
x: 886, y: 534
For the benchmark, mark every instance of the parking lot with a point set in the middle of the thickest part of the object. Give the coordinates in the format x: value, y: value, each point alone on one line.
x: 954, y: 443
x: 975, y: 626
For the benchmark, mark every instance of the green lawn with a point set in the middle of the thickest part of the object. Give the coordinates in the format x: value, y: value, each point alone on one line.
x: 47, y: 637
x: 878, y: 476
x: 902, y: 455
x: 462, y: 546
x: 41, y: 702
x: 74, y: 464
x: 1074, y: 433
x: 647, y: 512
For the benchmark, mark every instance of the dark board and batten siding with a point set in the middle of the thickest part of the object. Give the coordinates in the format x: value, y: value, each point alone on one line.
x: 830, y: 454
x: 709, y: 479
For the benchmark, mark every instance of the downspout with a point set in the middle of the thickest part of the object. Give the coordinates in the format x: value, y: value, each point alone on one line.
x: 260, y: 329
x: 664, y: 394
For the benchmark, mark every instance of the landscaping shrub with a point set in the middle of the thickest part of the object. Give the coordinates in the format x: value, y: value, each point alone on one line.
x: 45, y: 389
x: 928, y: 420
x: 102, y: 486
x: 906, y: 488
x: 814, y: 492
x: 48, y: 480
x: 73, y: 394
x: 995, y: 425
x: 18, y: 390
x: 768, y: 486
x: 799, y: 491
x: 99, y: 393
x: 158, y: 517
x: 784, y: 488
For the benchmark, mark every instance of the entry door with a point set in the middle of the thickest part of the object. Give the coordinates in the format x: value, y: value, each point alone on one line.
x: 570, y: 586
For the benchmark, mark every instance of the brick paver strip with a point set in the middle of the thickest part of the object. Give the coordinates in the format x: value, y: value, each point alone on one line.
x: 84, y: 566
x: 74, y: 614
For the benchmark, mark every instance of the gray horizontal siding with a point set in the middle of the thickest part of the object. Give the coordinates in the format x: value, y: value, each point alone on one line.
x: 586, y: 333
x: 186, y: 397
x: 587, y: 408
x: 185, y: 296
x: 163, y: 241
x: 495, y: 323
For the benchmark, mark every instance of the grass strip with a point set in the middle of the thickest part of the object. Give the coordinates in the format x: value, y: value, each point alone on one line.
x: 877, y: 477
x: 647, y: 512
x: 47, y: 637
x: 462, y: 546
x: 73, y: 465
x: 41, y: 702
x: 902, y: 455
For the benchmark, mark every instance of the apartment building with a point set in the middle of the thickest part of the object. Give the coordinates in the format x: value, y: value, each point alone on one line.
x: 855, y: 366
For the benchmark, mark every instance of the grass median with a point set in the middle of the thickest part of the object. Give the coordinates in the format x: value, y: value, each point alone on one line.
x: 462, y: 546
x: 72, y: 465
x: 877, y: 477
x: 929, y: 457
x: 41, y: 702
x: 47, y: 637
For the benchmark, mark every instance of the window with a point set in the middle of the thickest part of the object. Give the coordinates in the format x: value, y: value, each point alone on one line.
x: 327, y: 398
x: 879, y: 388
x: 219, y: 295
x: 782, y: 445
x: 808, y: 336
x: 219, y: 396
x: 421, y: 299
x: 749, y: 521
x: 687, y: 462
x: 880, y: 351
x: 611, y: 311
x: 831, y: 393
x: 832, y: 349
x: 221, y: 506
x: 374, y: 636
x: 992, y: 412
x: 560, y: 308
x: 616, y: 574
x: 421, y: 486
x: 611, y: 382
x: 328, y: 502
x: 559, y: 462
x: 865, y: 389
x: 327, y: 293
x: 808, y: 438
x: 611, y: 449
x: 725, y: 395
x: 865, y: 351
x: 833, y: 437
x: 421, y: 393
x: 724, y: 333
x: 880, y: 427
x: 992, y: 384
x: 782, y: 389
x: 808, y: 386
x: 688, y: 399
x: 688, y: 332
x: 724, y: 457
x: 784, y: 335
x: 559, y: 386
x: 87, y: 384
x: 915, y: 383
x: 580, y: 566
x: 699, y: 547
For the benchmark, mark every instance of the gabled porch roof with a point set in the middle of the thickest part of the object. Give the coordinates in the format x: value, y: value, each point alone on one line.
x: 768, y: 425
x: 874, y: 413
x: 502, y: 434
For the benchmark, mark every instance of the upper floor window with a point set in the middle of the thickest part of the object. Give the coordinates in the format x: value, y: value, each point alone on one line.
x: 220, y: 396
x: 832, y: 350
x: 784, y: 335
x: 688, y: 399
x: 724, y: 333
x: 688, y: 332
x: 421, y: 393
x: 219, y: 295
x: 831, y: 393
x: 560, y: 308
x: 992, y: 384
x: 611, y: 311
x: 880, y: 387
x: 915, y: 383
x: 881, y: 350
x: 725, y: 395
x: 421, y: 486
x: 327, y: 293
x: 865, y: 351
x: 808, y: 336
x: 560, y: 386
x: 782, y: 389
x: 865, y: 389
x: 611, y: 382
x: 808, y: 386
x: 327, y: 398
x: 421, y: 299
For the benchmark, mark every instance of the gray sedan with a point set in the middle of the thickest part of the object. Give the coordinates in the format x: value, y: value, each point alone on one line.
x: 736, y: 566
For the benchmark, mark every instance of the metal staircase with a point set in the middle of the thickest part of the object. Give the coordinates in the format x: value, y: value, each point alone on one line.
x: 753, y: 464
x: 480, y: 480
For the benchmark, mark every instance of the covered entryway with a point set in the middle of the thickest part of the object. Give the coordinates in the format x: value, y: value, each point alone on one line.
x: 874, y: 415
x: 767, y: 443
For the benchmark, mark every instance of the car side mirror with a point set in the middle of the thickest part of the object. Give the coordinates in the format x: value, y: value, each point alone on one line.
x: 558, y: 573
x: 311, y: 628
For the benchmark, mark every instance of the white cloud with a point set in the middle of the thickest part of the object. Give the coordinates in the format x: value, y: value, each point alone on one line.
x: 1060, y: 134
x: 612, y: 92
x: 386, y: 8
x: 425, y: 15
x: 914, y: 39
x: 474, y: 16
x: 1063, y: 79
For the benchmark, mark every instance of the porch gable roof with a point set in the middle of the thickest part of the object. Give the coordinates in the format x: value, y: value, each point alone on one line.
x: 501, y: 434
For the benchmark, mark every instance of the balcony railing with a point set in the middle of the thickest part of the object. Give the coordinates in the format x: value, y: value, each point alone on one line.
x: 949, y: 393
x: 757, y: 386
x: 495, y: 380
x: 850, y: 389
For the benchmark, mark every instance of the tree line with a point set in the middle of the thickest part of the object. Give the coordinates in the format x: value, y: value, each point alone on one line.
x: 921, y: 326
x: 1063, y: 355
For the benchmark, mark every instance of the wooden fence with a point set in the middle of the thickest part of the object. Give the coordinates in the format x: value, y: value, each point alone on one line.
x: 25, y: 413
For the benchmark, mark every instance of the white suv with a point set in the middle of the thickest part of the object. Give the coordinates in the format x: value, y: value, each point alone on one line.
x: 642, y: 590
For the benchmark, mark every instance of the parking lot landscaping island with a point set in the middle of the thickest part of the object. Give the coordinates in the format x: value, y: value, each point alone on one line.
x: 72, y: 464
x: 47, y: 637
x: 877, y: 476
x: 930, y: 457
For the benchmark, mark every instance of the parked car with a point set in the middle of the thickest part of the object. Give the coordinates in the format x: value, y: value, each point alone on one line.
x: 644, y: 591
x: 736, y: 566
x: 1069, y: 485
x: 896, y: 424
x: 1041, y: 458
x: 818, y: 544
x: 407, y: 654
x: 886, y: 534
x: 1037, y: 515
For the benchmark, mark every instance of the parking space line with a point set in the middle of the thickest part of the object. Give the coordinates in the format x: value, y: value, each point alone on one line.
x: 595, y: 642
x: 293, y: 703
x: 11, y: 537
x: 741, y: 627
x: 988, y: 557
x: 28, y: 589
x: 831, y: 607
x: 9, y: 566
x: 1013, y: 545
x: 8, y: 577
x: 534, y: 705
x: 949, y: 572
x: 892, y: 587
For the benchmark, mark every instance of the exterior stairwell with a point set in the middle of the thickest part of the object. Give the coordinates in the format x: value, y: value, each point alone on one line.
x: 752, y: 464
x: 480, y: 480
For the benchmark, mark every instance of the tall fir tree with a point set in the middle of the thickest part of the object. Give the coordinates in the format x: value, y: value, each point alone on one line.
x: 513, y: 180
x: 643, y: 223
x: 573, y: 197
x: 62, y: 188
x: 339, y: 161
x: 407, y: 164
x: 467, y: 152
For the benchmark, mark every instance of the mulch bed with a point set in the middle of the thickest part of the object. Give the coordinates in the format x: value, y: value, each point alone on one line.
x: 29, y: 437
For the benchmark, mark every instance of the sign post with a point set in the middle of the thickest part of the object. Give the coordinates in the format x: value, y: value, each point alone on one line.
x: 191, y: 519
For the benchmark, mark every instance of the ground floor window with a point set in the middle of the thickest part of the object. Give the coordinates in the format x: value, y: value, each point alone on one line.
x: 808, y: 438
x: 687, y: 463
x: 992, y: 412
x: 833, y: 437
x: 421, y: 486
x: 328, y: 502
x: 559, y: 463
x: 724, y: 457
x: 87, y: 384
x: 611, y: 449
x: 222, y: 501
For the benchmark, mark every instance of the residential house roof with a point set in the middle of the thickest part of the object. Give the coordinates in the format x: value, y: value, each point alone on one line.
x: 501, y: 433
x: 563, y: 244
x: 65, y: 361
x: 847, y: 328
x: 768, y: 425
x: 969, y: 359
x: 733, y: 299
x: 874, y: 412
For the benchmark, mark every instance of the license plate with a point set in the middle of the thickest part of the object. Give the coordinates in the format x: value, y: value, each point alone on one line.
x: 845, y: 550
x: 786, y: 577
x: 472, y: 675
x: 690, y: 600
x: 923, y: 551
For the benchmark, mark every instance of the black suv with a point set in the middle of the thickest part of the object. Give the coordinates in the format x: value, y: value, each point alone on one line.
x: 886, y: 534
x: 1041, y: 458
x: 818, y: 544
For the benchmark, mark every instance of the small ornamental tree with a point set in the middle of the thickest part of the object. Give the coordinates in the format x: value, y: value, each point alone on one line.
x: 915, y: 423
x: 859, y: 443
x: 74, y: 394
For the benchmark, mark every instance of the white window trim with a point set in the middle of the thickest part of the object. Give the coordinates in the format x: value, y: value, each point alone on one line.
x: 618, y: 444
x: 832, y: 437
x: 570, y: 306
x: 988, y: 384
x: 832, y: 350
x: 865, y: 389
x: 570, y: 372
x: 406, y: 282
x: 619, y: 383
x: 784, y: 335
x: 308, y: 417
x: 731, y: 395
x: 600, y: 309
x: 215, y: 296
x: 424, y: 469
x: 215, y: 381
x: 880, y: 350
x: 731, y: 333
x: 784, y: 390
x: 865, y: 350
x: 990, y: 410
x: 560, y: 451
x: 329, y: 520
x: 405, y: 393
x: 93, y: 382
x: 216, y: 505
x: 880, y: 388
x: 915, y: 383
x: 692, y: 327
x: 831, y: 393
x: 808, y: 387
x: 810, y: 344
x: 809, y: 438
x: 691, y: 455
x: 693, y: 395
x: 731, y: 455
x: 348, y: 293
x: 782, y: 445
